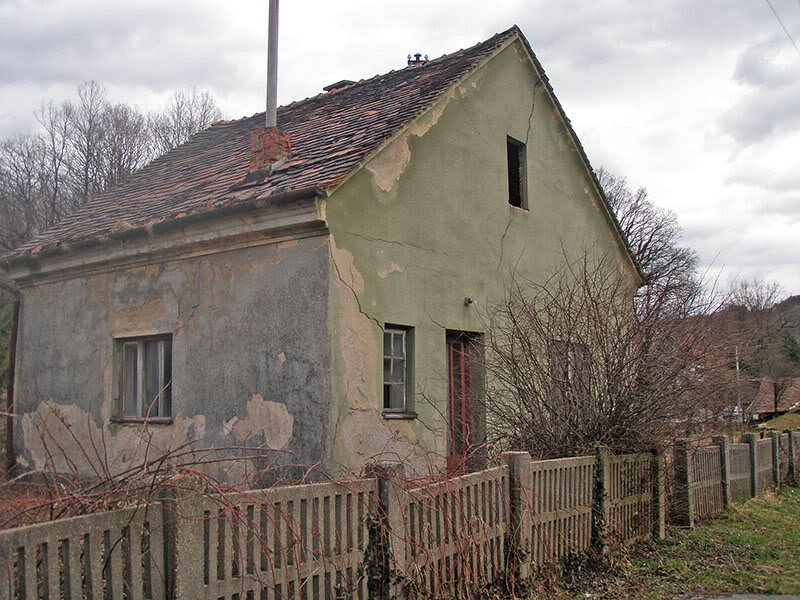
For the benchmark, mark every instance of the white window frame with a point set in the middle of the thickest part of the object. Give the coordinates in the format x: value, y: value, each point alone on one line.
x: 404, y: 332
x: 141, y: 404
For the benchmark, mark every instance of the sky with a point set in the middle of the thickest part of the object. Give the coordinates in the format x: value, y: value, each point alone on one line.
x: 696, y: 100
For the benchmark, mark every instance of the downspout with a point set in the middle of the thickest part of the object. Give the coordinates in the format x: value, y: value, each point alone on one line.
x: 12, y: 362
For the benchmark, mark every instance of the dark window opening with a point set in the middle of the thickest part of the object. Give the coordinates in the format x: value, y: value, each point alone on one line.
x: 516, y: 173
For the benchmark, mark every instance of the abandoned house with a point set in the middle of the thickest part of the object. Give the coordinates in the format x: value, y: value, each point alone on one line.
x: 313, y: 291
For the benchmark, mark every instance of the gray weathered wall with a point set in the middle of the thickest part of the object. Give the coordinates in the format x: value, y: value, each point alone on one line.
x: 250, y: 359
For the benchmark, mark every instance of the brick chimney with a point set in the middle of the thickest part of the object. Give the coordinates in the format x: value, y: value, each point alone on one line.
x: 268, y: 146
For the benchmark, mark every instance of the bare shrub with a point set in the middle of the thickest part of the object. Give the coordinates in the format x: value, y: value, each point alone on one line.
x: 574, y: 362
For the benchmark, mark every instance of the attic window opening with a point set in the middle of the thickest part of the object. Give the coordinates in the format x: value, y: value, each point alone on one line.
x: 516, y: 173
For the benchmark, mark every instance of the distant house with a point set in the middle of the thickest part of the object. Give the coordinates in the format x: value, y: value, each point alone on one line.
x: 764, y: 404
x: 313, y: 292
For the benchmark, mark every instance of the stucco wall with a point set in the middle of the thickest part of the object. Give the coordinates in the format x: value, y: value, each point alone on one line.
x: 250, y: 360
x: 426, y: 224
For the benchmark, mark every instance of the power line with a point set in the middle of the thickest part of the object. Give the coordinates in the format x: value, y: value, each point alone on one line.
x: 786, y: 31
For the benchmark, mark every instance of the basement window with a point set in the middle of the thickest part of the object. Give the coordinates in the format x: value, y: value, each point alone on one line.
x: 145, y: 378
x: 396, y: 372
x: 516, y: 173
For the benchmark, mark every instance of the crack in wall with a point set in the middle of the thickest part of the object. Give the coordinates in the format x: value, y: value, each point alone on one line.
x: 527, y: 139
x: 394, y: 242
x: 350, y: 287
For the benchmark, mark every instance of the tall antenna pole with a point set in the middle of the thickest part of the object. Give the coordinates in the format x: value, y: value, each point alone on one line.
x: 272, y: 66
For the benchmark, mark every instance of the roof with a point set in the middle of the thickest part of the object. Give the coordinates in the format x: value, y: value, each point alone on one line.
x: 765, y: 399
x: 331, y: 135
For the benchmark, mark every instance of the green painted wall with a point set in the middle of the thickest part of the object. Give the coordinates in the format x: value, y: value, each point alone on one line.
x: 427, y: 223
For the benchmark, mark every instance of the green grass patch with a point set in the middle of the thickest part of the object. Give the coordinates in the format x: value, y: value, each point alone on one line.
x: 787, y: 421
x: 753, y: 548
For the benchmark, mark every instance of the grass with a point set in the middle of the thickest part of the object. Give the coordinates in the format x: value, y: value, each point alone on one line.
x: 753, y: 548
x: 787, y: 421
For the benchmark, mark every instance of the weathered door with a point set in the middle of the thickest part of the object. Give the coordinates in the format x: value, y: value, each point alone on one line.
x: 460, y: 393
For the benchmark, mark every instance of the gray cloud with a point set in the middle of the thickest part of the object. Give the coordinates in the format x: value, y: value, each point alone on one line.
x: 769, y: 105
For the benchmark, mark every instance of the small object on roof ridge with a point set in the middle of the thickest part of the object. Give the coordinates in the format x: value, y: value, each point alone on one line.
x: 417, y: 60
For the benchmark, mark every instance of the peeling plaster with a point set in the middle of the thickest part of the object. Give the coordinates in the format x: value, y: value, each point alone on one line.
x: 358, y: 347
x: 264, y: 418
x: 274, y: 250
x: 130, y: 320
x: 66, y: 437
x: 389, y: 164
x: 366, y: 437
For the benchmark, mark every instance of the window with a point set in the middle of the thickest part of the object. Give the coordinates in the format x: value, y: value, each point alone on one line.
x: 145, y: 376
x: 516, y: 173
x: 571, y: 364
x: 396, y: 370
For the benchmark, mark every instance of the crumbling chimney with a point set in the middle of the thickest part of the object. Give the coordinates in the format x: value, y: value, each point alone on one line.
x: 417, y: 60
x: 269, y: 145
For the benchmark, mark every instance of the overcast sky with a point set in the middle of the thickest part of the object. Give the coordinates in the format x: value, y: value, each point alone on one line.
x: 698, y: 100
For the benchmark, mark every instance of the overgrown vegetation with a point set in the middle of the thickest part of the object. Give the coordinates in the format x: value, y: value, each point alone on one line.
x: 752, y: 548
x: 574, y: 362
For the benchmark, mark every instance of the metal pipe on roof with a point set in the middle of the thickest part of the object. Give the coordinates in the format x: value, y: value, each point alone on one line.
x: 272, y: 66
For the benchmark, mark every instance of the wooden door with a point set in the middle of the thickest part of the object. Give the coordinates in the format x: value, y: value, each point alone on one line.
x: 460, y: 393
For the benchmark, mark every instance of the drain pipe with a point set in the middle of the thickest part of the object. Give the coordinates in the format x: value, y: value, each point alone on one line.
x: 8, y: 468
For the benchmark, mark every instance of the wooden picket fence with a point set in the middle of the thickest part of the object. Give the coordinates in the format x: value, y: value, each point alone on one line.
x: 285, y: 542
x: 709, y: 478
x: 112, y: 555
x: 383, y: 536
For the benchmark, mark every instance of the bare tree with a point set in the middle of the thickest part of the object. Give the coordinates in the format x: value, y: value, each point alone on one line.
x: 765, y: 327
x: 653, y: 234
x: 127, y: 144
x: 86, y: 146
x: 56, y: 137
x: 23, y: 167
x: 572, y: 364
x: 87, y: 121
x: 187, y: 113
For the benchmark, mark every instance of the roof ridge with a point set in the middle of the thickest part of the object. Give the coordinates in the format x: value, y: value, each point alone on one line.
x: 331, y: 133
x: 513, y: 30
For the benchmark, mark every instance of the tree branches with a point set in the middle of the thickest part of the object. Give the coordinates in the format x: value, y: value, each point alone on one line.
x: 86, y: 146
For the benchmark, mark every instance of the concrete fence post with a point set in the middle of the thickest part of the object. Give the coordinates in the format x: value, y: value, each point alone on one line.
x: 725, y: 464
x: 390, y: 537
x: 684, y: 478
x: 752, y: 439
x: 792, y: 461
x: 659, y: 496
x: 188, y: 557
x: 601, y: 515
x: 776, y: 457
x: 521, y: 489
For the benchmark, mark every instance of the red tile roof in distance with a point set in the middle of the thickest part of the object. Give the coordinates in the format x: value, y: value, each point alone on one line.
x: 765, y: 399
x: 330, y: 135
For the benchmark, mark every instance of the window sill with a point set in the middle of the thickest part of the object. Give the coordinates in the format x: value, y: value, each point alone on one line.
x: 399, y: 415
x: 140, y: 421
